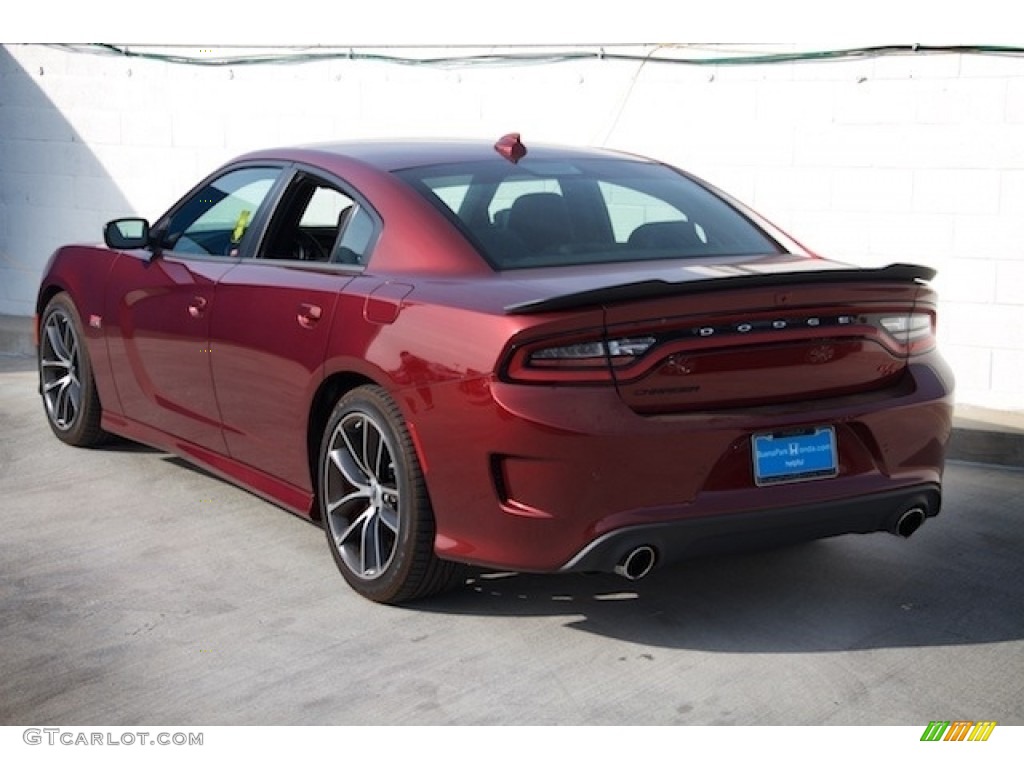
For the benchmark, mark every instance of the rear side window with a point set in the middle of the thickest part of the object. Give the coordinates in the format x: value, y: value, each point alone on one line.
x: 326, y: 206
x: 354, y: 245
x: 316, y: 221
x: 540, y: 213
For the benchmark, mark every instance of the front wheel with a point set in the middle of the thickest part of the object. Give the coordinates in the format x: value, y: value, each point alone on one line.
x: 65, y: 376
x: 376, y: 512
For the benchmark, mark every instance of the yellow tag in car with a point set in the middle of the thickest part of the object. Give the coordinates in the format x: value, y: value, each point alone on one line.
x: 240, y: 225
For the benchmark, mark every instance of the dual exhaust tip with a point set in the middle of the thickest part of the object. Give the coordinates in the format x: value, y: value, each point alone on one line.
x: 640, y: 561
x: 637, y: 563
x: 909, y: 521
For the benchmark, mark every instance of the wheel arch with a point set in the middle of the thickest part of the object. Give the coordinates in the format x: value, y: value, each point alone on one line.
x: 46, y: 293
x: 331, y: 389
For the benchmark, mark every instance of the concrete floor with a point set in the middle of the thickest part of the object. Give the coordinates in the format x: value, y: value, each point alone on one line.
x: 135, y: 590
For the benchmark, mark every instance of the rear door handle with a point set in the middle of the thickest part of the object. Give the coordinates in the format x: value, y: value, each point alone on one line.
x: 197, y: 306
x: 309, y: 314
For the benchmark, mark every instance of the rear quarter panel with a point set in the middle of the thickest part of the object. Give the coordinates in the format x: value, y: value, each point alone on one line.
x: 435, y: 350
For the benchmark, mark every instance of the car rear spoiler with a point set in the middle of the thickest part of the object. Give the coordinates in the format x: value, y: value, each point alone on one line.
x: 656, y: 289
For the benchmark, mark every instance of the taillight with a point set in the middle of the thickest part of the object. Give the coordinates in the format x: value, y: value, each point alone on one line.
x: 585, y: 358
x: 616, y: 351
x: 914, y: 332
x: 580, y: 361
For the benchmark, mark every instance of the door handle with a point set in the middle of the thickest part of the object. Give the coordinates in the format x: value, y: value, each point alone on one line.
x: 309, y: 314
x: 197, y: 306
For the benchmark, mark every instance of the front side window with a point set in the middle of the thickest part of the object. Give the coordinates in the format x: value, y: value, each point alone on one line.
x: 541, y: 213
x: 214, y: 221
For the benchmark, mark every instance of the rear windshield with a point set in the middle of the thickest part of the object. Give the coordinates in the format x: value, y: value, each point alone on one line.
x: 541, y: 213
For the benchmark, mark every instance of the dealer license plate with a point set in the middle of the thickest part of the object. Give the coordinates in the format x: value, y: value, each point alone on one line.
x: 795, y: 455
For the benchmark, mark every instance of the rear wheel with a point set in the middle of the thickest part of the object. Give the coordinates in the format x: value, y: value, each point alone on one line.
x: 65, y: 376
x: 376, y: 511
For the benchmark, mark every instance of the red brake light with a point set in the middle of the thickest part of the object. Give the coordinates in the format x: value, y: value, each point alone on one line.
x: 590, y: 360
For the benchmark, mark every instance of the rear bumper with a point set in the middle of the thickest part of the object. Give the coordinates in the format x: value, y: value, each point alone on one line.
x: 681, y: 539
x: 544, y: 479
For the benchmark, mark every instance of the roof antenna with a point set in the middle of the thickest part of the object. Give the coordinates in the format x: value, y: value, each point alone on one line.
x: 510, y: 147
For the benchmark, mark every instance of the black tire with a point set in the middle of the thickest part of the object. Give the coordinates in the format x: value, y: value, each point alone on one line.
x: 66, y: 381
x: 374, y: 502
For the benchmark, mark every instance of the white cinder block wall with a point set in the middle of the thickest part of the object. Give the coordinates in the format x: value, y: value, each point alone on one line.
x: 904, y: 158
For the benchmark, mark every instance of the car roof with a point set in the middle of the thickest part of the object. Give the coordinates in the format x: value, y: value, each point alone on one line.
x: 398, y: 154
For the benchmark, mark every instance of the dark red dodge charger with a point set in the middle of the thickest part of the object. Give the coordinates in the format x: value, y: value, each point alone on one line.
x: 527, y: 358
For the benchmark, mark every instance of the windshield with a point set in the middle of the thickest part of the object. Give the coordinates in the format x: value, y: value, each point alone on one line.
x: 540, y: 213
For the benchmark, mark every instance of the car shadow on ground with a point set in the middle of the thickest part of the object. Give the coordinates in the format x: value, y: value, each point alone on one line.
x: 118, y: 444
x: 958, y: 581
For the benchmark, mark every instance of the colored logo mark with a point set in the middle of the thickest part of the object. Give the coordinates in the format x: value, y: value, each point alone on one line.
x: 958, y: 730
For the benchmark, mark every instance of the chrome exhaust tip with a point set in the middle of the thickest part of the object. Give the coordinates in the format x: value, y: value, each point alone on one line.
x: 909, y: 522
x: 637, y: 563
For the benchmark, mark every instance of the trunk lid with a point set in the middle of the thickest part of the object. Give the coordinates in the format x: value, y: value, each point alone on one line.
x: 762, y: 345
x: 774, y: 330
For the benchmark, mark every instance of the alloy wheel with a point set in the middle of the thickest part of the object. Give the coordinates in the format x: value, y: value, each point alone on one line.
x: 60, y: 369
x: 362, y: 495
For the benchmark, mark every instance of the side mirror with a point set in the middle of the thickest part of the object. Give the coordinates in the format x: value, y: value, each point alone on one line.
x: 126, y: 233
